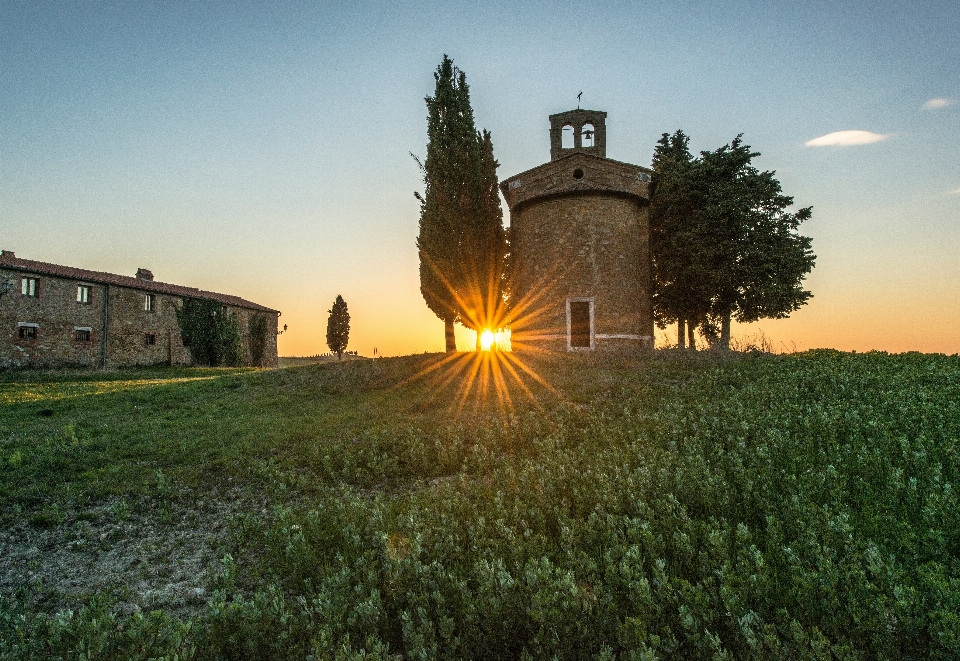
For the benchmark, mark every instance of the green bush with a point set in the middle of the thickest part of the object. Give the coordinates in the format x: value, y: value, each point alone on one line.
x: 799, y: 507
x: 258, y: 338
x: 211, y: 331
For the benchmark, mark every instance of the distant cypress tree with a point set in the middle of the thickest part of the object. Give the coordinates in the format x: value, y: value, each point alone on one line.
x: 338, y: 327
x: 461, y: 241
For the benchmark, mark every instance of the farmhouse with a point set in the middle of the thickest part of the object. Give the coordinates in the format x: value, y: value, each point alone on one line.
x: 52, y: 315
x: 580, y: 242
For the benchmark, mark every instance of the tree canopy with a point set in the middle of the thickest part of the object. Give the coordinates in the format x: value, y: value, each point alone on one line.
x: 723, y: 242
x: 461, y: 241
x: 338, y: 327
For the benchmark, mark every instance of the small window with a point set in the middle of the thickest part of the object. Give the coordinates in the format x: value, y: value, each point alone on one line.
x: 578, y: 173
x: 28, y: 287
x: 81, y: 335
x: 149, y: 339
x: 83, y: 294
x: 566, y: 137
x: 27, y: 332
x: 148, y: 303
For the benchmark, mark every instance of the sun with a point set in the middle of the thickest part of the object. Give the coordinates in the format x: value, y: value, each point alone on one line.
x: 486, y: 340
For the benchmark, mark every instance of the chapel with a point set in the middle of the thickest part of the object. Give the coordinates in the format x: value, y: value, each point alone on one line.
x: 580, y: 244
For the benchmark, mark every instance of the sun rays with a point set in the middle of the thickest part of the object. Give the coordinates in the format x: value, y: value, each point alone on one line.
x: 494, y: 377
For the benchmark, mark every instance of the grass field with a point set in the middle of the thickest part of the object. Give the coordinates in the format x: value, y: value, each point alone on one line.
x: 630, y: 507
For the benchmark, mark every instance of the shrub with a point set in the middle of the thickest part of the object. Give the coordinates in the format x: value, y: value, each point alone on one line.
x: 258, y: 338
x: 211, y: 331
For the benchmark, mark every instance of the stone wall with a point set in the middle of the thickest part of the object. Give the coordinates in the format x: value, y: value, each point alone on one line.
x: 57, y: 316
x: 589, y: 246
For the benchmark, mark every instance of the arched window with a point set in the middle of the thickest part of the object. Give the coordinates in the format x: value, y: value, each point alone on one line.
x: 566, y: 137
x: 586, y: 135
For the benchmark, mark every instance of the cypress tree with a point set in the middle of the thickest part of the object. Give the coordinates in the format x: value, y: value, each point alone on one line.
x: 461, y: 242
x: 483, y: 248
x: 338, y: 327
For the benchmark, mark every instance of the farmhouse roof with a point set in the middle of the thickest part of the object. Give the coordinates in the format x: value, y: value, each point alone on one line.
x: 9, y: 260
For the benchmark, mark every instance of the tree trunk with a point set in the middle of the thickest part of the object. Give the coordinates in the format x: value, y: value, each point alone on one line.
x: 450, y: 338
x: 681, y: 334
x: 725, y: 332
x: 339, y: 355
x: 690, y: 338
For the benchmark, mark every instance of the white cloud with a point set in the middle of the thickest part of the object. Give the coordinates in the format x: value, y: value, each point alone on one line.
x: 846, y: 138
x: 954, y: 192
x: 939, y: 102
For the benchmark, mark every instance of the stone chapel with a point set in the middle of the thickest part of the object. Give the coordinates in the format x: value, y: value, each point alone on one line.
x: 580, y: 244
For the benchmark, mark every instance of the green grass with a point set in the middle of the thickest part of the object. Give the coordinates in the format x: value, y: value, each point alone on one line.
x: 637, y: 507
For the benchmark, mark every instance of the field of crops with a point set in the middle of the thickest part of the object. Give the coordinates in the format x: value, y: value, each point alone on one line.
x: 668, y: 506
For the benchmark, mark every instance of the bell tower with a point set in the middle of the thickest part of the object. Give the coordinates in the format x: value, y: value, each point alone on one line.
x: 588, y: 129
x: 580, y: 244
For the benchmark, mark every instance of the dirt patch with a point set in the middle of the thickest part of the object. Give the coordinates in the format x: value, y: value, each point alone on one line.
x: 153, y: 556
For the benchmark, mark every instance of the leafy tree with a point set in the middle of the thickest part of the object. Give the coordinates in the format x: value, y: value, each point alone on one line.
x: 211, y: 331
x: 679, y: 253
x: 761, y: 259
x: 338, y: 327
x: 723, y: 241
x: 461, y: 241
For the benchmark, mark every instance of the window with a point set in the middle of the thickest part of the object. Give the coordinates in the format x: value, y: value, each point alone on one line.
x: 148, y: 303
x: 83, y: 293
x: 566, y: 137
x: 149, y: 339
x: 28, y: 287
x: 81, y: 334
x: 27, y: 332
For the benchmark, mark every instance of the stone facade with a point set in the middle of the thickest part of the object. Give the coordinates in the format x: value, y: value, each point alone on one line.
x: 580, y: 243
x: 56, y: 316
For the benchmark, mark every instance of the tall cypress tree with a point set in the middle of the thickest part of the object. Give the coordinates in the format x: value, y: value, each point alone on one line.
x: 483, y: 247
x: 338, y: 327
x: 461, y: 242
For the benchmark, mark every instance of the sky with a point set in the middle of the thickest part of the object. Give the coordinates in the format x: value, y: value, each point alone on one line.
x: 263, y: 149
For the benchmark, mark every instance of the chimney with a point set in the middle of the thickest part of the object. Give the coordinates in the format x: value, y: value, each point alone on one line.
x: 8, y: 254
x: 144, y: 274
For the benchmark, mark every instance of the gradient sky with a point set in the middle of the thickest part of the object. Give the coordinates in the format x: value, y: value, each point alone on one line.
x: 264, y: 151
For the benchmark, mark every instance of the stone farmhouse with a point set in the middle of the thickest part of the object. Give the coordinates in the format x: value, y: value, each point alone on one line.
x: 52, y: 315
x: 580, y: 244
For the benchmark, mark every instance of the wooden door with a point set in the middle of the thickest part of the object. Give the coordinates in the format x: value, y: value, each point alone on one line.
x: 580, y: 324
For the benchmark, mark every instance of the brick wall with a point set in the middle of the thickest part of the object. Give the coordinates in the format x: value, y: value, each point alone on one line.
x: 588, y: 246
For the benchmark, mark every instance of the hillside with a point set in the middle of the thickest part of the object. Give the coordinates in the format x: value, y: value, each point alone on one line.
x: 673, y: 506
